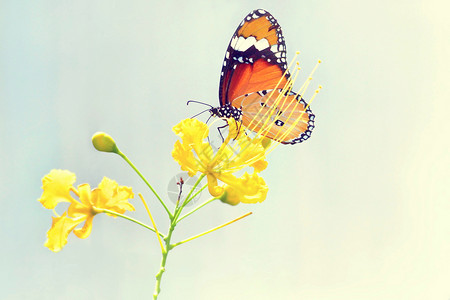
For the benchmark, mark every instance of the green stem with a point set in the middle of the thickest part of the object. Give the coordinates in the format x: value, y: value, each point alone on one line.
x: 195, y: 195
x: 168, y: 246
x: 188, y: 199
x: 146, y: 182
x: 195, y: 186
x: 197, y: 208
x: 162, y: 268
x: 130, y: 219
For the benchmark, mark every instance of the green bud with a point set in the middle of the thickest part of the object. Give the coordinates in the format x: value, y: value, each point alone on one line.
x: 104, y: 142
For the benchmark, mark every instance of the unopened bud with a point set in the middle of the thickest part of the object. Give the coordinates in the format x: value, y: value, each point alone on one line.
x: 104, y: 142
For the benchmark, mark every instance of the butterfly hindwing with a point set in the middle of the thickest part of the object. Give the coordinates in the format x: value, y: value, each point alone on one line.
x: 255, y: 59
x: 283, y: 117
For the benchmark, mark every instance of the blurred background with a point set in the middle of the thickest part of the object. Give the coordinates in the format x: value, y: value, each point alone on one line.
x: 359, y: 211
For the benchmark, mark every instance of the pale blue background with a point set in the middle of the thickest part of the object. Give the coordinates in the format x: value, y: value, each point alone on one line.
x: 360, y: 211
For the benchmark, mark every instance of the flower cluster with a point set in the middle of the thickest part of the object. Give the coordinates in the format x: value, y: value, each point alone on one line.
x: 107, y: 197
x: 238, y: 151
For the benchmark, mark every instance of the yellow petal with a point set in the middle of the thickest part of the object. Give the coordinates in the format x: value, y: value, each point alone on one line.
x: 236, y: 152
x: 213, y: 187
x: 56, y: 186
x: 259, y: 165
x: 185, y: 158
x: 85, y: 231
x: 108, y: 188
x: 191, y: 131
x: 111, y: 196
x: 250, y: 154
x: 247, y: 189
x: 58, y: 233
x: 83, y: 208
x: 84, y: 191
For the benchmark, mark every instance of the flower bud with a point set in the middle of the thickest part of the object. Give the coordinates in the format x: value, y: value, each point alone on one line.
x: 104, y: 142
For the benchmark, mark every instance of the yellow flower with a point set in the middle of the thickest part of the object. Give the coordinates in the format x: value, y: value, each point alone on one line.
x: 57, y: 186
x: 248, y: 189
x: 237, y: 152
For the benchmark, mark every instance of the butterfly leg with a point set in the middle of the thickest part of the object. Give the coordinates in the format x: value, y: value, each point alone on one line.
x: 238, y: 127
x: 220, y: 132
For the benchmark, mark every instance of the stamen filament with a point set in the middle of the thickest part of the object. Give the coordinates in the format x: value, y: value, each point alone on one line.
x: 73, y: 190
x: 153, y: 221
x: 276, y: 87
x: 272, y: 147
x: 211, y: 230
x: 268, y: 120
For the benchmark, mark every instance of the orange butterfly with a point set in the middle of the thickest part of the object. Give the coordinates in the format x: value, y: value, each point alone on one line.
x: 255, y: 83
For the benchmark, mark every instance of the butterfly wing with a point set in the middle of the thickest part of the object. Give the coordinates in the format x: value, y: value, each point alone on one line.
x: 283, y: 117
x: 255, y: 59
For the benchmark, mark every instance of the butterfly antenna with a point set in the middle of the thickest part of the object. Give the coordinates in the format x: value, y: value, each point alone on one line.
x: 208, y: 119
x: 201, y: 113
x: 193, y: 101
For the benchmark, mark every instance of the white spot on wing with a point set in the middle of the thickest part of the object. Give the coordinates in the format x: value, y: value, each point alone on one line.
x: 244, y: 43
x: 262, y: 44
x: 274, y: 48
x: 233, y: 42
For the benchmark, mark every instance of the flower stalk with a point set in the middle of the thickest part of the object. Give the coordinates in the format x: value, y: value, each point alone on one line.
x: 145, y: 180
x: 107, y: 211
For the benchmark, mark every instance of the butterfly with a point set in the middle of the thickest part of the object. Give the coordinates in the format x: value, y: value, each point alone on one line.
x: 253, y: 83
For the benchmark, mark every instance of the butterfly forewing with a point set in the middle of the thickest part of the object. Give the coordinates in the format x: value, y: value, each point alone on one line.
x: 255, y: 59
